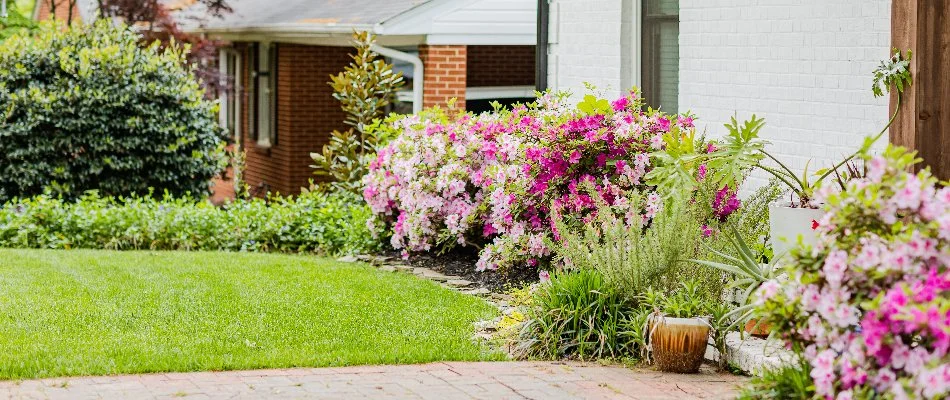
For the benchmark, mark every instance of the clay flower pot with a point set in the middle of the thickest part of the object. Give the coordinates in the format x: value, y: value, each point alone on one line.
x: 679, y: 344
x: 754, y: 328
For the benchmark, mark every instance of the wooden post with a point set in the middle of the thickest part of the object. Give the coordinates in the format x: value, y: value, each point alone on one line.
x: 923, y: 124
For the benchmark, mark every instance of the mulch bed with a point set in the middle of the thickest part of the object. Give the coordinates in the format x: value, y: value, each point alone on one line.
x: 461, y: 262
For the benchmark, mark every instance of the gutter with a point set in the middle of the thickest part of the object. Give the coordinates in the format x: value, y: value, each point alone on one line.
x: 541, y: 49
x: 417, y: 72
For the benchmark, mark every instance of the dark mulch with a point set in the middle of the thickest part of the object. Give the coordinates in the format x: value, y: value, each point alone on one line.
x: 461, y: 262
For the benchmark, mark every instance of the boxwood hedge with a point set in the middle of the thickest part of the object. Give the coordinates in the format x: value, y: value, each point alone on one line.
x: 90, y: 108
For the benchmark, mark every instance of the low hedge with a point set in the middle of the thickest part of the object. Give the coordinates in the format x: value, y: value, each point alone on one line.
x: 312, y: 222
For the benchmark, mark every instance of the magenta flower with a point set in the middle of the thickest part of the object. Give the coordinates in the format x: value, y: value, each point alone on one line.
x: 620, y: 104
x: 701, y: 172
x: 725, y: 203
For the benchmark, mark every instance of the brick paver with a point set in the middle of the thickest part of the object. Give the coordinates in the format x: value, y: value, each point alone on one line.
x: 441, y: 381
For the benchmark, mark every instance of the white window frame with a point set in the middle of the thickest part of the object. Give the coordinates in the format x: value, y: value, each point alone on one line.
x: 225, y: 58
x: 265, y: 98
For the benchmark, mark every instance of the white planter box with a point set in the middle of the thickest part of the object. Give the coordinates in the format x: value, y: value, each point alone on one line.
x: 786, y: 224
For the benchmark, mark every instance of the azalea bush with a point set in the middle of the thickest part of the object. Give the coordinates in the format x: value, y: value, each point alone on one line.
x: 491, y: 180
x: 869, y: 306
x: 311, y: 222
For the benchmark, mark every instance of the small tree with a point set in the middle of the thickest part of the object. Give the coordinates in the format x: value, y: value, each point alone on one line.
x: 365, y: 88
x: 88, y: 108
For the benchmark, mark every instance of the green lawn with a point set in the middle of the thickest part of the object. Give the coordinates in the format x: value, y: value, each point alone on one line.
x: 105, y: 312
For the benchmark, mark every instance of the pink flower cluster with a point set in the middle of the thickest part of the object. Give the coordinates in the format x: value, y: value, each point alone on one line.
x: 491, y: 180
x: 869, y: 306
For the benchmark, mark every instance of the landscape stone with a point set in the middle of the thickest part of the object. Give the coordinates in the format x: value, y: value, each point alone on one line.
x: 459, y: 283
x: 348, y: 259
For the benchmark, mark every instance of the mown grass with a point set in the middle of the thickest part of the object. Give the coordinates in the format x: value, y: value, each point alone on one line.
x: 65, y: 313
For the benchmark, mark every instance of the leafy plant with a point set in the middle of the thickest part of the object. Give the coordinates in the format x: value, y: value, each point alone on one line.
x: 577, y: 315
x: 15, y: 23
x: 364, y: 89
x: 311, y: 222
x: 630, y: 255
x: 748, y: 271
x: 87, y: 108
x: 744, y: 150
x: 789, y: 382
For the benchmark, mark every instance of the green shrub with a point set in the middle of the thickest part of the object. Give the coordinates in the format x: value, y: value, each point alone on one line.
x: 87, y: 108
x: 311, y: 222
x: 789, y: 382
x: 633, y: 257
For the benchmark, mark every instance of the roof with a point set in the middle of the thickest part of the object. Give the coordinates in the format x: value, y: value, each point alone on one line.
x: 396, y: 22
x: 331, y: 14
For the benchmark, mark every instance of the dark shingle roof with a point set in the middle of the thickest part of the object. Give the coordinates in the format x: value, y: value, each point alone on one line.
x: 264, y: 13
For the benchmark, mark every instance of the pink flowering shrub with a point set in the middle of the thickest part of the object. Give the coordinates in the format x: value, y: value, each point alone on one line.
x: 869, y: 306
x: 490, y: 180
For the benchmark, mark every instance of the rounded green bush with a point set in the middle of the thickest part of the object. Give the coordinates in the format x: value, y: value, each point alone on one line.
x: 89, y: 108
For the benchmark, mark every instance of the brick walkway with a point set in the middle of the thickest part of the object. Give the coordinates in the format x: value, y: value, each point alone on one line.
x: 442, y: 381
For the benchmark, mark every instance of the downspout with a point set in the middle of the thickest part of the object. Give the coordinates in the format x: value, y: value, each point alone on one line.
x: 541, y: 49
x: 417, y: 72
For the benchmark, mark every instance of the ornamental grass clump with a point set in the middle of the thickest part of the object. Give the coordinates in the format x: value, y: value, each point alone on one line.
x: 489, y: 180
x: 869, y: 306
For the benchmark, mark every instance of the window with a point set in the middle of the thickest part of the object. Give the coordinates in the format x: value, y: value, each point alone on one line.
x: 660, y: 57
x: 229, y: 64
x: 262, y: 57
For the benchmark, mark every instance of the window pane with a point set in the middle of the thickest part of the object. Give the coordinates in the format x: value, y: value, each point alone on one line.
x: 662, y: 7
x: 668, y: 66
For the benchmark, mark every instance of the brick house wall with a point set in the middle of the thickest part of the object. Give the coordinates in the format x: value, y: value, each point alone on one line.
x: 61, y: 12
x: 445, y: 74
x: 500, y: 66
x: 306, y: 114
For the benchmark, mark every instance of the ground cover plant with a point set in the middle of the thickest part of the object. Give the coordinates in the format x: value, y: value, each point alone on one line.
x: 869, y: 306
x: 103, y: 312
x: 489, y: 180
x: 333, y: 224
x: 89, y: 108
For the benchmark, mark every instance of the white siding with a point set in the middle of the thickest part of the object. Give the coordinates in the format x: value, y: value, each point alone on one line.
x: 804, y: 65
x: 472, y: 22
x: 585, y: 46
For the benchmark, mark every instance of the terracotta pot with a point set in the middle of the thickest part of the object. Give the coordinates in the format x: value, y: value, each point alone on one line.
x: 754, y: 328
x: 679, y: 344
x: 786, y: 224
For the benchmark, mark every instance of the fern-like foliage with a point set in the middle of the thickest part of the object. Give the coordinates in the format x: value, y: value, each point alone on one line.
x: 631, y: 256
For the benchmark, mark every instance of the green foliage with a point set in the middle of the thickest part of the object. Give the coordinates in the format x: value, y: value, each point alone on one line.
x: 88, y: 108
x: 365, y: 88
x: 84, y: 312
x: 790, y: 382
x: 893, y: 73
x: 577, y: 314
x: 635, y: 257
x: 16, y: 23
x: 311, y: 222
x: 591, y: 105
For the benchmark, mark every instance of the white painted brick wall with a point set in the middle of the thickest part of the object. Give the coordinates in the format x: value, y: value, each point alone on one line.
x: 803, y: 65
x: 585, y: 45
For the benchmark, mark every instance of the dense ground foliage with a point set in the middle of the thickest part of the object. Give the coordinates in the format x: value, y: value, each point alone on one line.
x: 82, y: 312
x: 311, y: 222
x: 491, y: 180
x: 869, y: 306
x: 88, y: 108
